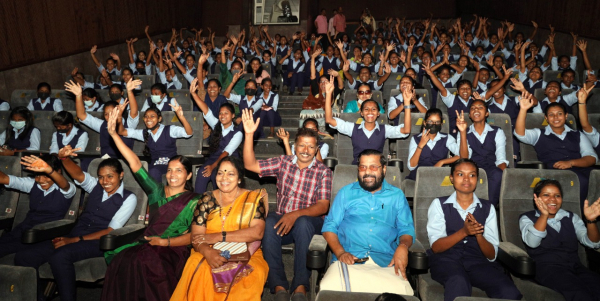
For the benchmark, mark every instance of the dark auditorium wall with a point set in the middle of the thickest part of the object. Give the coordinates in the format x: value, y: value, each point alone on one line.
x: 49, y: 38
x: 389, y: 8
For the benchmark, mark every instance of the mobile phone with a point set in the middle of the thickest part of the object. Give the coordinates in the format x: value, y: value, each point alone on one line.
x: 361, y: 260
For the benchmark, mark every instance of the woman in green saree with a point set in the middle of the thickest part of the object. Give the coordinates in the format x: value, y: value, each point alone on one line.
x: 150, y: 270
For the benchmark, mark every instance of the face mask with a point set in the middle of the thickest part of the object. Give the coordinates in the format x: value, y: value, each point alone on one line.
x: 115, y: 96
x: 156, y: 99
x: 17, y: 124
x: 43, y: 95
x: 433, y: 128
x: 141, y: 71
x: 88, y: 103
x: 63, y: 131
x: 234, y: 72
x: 250, y: 91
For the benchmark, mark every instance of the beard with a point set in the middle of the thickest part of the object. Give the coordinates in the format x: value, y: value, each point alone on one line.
x: 370, y: 187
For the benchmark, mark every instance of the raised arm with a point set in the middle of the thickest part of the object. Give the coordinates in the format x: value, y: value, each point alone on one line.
x: 93, y: 53
x: 535, y: 28
x: 582, y: 45
x: 329, y: 88
x: 179, y: 112
x: 175, y: 59
x: 250, y: 126
x: 133, y: 105
x: 285, y: 138
x: 436, y: 82
x: 130, y: 51
x: 313, y: 59
x: 236, y: 77
x: 38, y: 165
x: 525, y: 103
x: 116, y: 58
x: 523, y: 66
x: 71, y: 167
x: 583, y: 112
x: 134, y: 161
x: 199, y: 97
x: 388, y: 71
x: 79, y: 105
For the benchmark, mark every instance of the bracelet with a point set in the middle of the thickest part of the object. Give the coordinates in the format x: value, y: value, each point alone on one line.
x: 581, y: 103
x: 589, y: 221
x: 63, y: 159
x: 419, y: 147
x: 169, y: 241
x: 51, y: 172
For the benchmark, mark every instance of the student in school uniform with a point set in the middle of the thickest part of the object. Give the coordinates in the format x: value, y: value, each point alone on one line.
x: 365, y: 77
x: 113, y: 63
x: 108, y: 208
x: 67, y: 133
x: 552, y: 236
x: 565, y: 62
x: 20, y: 134
x: 282, y: 50
x: 129, y: 120
x: 160, y: 139
x: 92, y: 101
x: 329, y: 61
x: 553, y: 95
x: 455, y: 103
x: 44, y: 102
x: 431, y: 146
x: 369, y: 134
x: 501, y: 103
x: 188, y: 71
x: 485, y: 144
x: 160, y: 99
x: 586, y: 128
x: 463, y: 234
x: 311, y: 124
x: 268, y: 112
x: 248, y: 100
x: 396, y: 103
x: 532, y: 79
x: 224, y: 141
x: 567, y: 77
x: 558, y: 146
x: 50, y: 197
x: 293, y: 76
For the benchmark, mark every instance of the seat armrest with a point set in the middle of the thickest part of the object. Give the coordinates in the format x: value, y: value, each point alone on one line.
x: 121, y: 236
x: 47, y: 231
x: 6, y: 223
x: 417, y: 257
x: 530, y: 165
x: 397, y: 163
x: 330, y: 162
x: 317, y: 253
x: 516, y: 259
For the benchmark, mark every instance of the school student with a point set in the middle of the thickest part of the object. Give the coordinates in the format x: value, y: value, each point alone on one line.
x: 293, y: 76
x: 557, y: 145
x: 396, y: 103
x: 129, y: 120
x: 369, y: 134
x: 213, y: 97
x: 44, y: 102
x: 159, y: 98
x: 463, y: 234
x: 485, y: 144
x: 113, y: 63
x: 269, y: 115
x: 552, y: 236
x: 67, y: 133
x: 553, y: 95
x: 20, y: 134
x: 50, y: 197
x: 224, y: 141
x: 431, y: 147
x: 160, y: 139
x: 92, y: 101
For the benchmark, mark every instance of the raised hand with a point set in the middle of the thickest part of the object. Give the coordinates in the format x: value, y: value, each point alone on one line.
x: 234, y: 40
x: 591, y: 212
x: 390, y: 47
x: 329, y: 87
x: 346, y: 66
x: 425, y: 137
x: 461, y: 124
x: 94, y: 49
x: 36, y: 164
x: 407, y: 96
x: 507, y: 72
x: 517, y: 85
x: 476, y: 95
x: 541, y: 205
x: 112, y: 121
x: 316, y: 54
x: 203, y: 58
x: 582, y: 45
x: 283, y: 135
x: 134, y: 83
x: 177, y: 108
x: 194, y: 86
x: 525, y: 100
x: 68, y: 151
x: 123, y: 106
x: 73, y: 87
x: 146, y: 29
x: 333, y: 73
x: 114, y: 56
x: 177, y: 54
x: 574, y: 36
x: 250, y: 125
x: 534, y: 24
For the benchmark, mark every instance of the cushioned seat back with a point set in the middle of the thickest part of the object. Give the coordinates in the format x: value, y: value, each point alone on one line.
x: 345, y: 174
x: 190, y: 147
x: 593, y: 102
x: 441, y: 105
x: 147, y: 80
x: 354, y: 296
x: 4, y: 120
x: 9, y: 198
x: 516, y: 198
x: 267, y: 67
x: 22, y: 98
x: 249, y: 76
x: 131, y: 184
x: 394, y: 79
x: 551, y: 75
x: 469, y: 75
x: 344, y: 150
x: 402, y: 145
x: 88, y: 78
x: 538, y: 121
x: 503, y: 121
x: 43, y: 121
x: 423, y: 93
x: 183, y: 99
x: 93, y: 146
x: 351, y: 94
x: 431, y: 183
x: 104, y: 94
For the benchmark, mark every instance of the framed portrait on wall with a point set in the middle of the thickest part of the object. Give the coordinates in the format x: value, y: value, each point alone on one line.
x: 276, y: 12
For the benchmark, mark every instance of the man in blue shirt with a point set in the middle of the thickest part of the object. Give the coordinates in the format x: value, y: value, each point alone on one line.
x: 369, y: 222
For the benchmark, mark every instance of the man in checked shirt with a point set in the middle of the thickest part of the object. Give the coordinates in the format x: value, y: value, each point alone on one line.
x: 303, y: 193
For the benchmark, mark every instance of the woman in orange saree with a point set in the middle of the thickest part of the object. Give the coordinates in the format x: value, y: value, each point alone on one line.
x: 230, y: 214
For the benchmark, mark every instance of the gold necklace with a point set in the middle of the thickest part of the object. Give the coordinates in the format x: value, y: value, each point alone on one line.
x: 223, y: 218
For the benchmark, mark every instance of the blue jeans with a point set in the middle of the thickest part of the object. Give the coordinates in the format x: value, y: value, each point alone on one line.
x: 301, y: 235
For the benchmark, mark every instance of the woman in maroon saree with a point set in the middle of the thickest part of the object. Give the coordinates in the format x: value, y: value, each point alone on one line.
x: 150, y: 270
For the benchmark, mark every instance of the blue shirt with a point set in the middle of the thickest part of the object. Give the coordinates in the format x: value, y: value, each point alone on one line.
x: 370, y: 224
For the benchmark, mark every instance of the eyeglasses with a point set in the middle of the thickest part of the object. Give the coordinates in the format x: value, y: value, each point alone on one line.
x: 371, y: 167
x: 436, y: 122
x: 364, y: 92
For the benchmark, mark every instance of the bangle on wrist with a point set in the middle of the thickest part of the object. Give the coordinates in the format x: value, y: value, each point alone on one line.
x: 419, y: 147
x: 587, y: 221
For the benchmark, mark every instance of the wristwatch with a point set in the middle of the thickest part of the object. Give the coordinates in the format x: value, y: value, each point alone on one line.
x: 224, y: 235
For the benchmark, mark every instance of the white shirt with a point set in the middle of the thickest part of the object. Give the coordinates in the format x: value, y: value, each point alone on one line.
x: 532, y: 136
x: 57, y: 107
x: 533, y: 237
x: 81, y: 143
x: 25, y: 184
x: 235, y: 141
x: 163, y: 102
x: 346, y: 128
x: 174, y: 132
x: 34, y: 138
x: 451, y: 145
x: 499, y: 139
